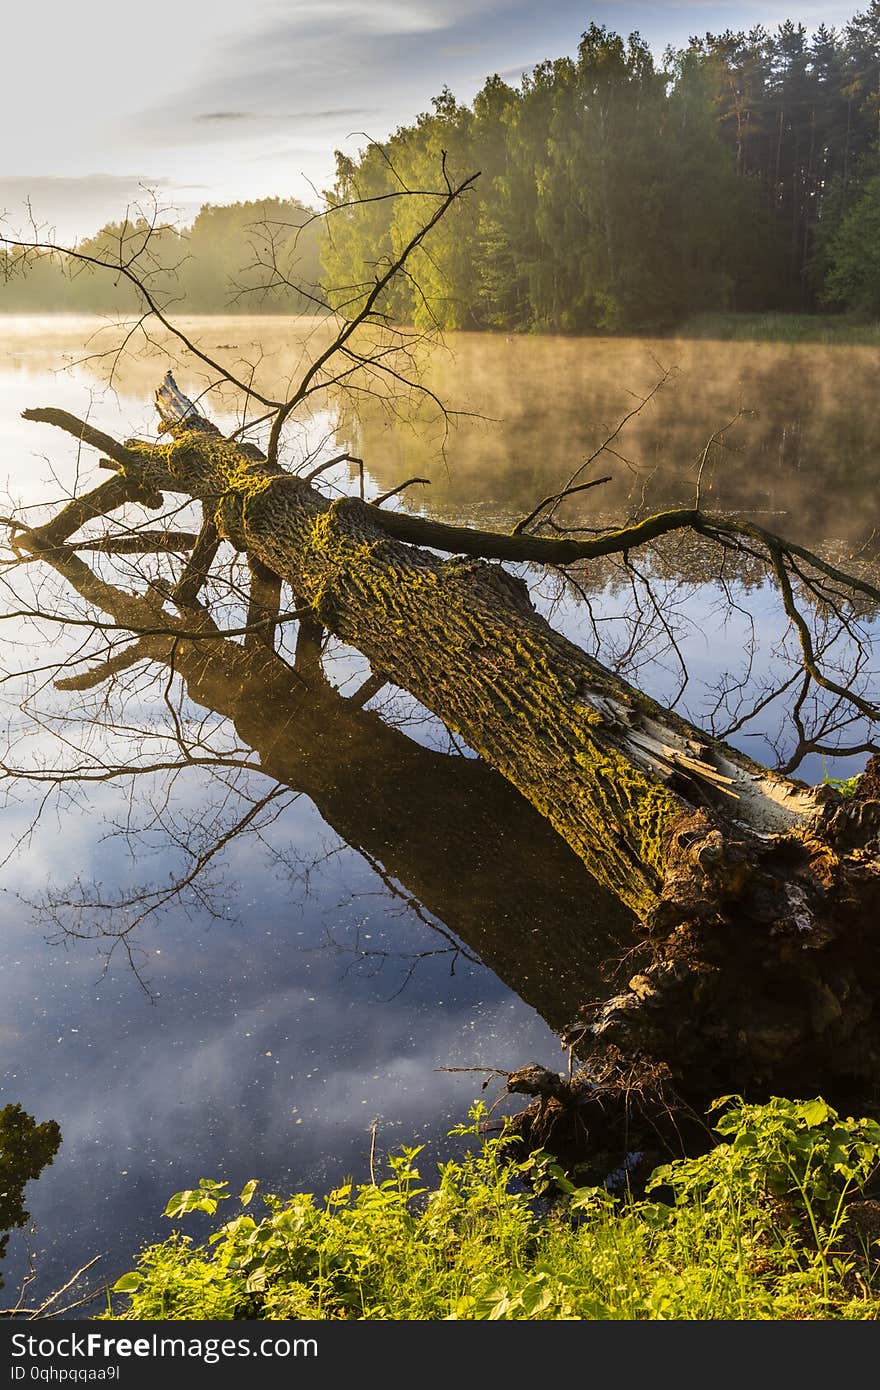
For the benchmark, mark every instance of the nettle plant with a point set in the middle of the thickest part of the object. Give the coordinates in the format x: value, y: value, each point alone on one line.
x: 787, y: 1153
x: 781, y: 1183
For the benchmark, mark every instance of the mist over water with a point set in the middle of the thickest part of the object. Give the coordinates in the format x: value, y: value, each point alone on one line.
x: 797, y: 438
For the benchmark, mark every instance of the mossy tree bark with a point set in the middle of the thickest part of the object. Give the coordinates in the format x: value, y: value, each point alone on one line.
x: 758, y: 896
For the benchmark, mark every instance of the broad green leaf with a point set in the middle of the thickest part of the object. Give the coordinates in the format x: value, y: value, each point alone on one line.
x: 192, y: 1200
x: 816, y: 1112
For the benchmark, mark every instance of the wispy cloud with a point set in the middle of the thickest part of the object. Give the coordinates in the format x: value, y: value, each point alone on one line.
x: 387, y: 49
x: 286, y: 117
x: 224, y: 116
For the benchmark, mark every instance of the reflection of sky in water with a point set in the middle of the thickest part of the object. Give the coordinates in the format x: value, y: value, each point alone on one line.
x: 274, y: 1039
x: 270, y: 1046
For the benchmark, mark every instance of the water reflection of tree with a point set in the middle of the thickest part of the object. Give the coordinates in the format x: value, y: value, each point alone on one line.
x: 448, y: 838
x: 645, y: 613
x: 804, y: 450
x: 26, y: 1148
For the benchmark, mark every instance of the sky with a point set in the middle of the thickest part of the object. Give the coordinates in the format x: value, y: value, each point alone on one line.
x: 219, y: 101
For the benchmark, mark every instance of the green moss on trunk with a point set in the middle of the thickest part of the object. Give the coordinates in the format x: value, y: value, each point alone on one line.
x: 459, y: 635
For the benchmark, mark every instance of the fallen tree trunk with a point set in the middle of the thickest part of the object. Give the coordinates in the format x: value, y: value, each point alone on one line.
x: 758, y: 896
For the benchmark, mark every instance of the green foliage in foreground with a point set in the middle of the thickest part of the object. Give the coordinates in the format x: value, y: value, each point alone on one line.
x: 761, y: 1227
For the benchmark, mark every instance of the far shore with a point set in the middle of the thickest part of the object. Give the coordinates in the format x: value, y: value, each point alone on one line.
x: 830, y: 329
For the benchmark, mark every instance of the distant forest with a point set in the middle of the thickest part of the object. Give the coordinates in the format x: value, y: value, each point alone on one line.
x: 233, y: 259
x: 742, y: 174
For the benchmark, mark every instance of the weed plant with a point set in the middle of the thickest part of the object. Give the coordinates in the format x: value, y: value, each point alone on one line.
x: 762, y: 1226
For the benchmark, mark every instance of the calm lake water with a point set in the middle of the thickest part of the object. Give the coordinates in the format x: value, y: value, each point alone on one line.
x: 375, y: 922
